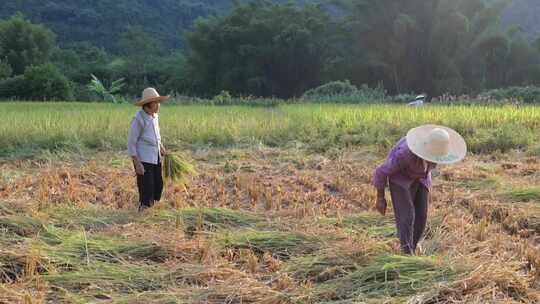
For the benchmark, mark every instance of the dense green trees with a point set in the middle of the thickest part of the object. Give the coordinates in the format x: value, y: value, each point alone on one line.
x: 435, y: 46
x: 261, y: 49
x: 439, y: 46
x: 101, y: 22
x: 24, y: 69
x: 41, y: 82
x: 23, y: 44
x: 283, y: 50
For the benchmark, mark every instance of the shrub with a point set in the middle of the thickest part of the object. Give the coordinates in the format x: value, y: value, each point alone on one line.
x: 13, y: 87
x: 334, y: 88
x: 403, y: 98
x: 81, y: 92
x: 222, y: 99
x: 42, y: 82
x: 345, y: 92
x: 45, y: 82
x: 529, y: 94
x: 5, y: 69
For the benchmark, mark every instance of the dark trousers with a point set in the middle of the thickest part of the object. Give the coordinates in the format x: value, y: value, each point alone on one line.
x: 150, y: 185
x: 410, y: 209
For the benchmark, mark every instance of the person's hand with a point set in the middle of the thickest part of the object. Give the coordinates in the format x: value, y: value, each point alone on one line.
x: 163, y: 150
x: 381, y: 205
x: 139, y: 168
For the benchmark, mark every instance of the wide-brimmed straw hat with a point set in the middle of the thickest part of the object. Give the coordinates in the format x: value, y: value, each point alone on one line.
x: 437, y: 144
x: 150, y: 95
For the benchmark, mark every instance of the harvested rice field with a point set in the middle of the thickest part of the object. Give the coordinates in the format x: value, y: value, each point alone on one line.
x: 287, y: 222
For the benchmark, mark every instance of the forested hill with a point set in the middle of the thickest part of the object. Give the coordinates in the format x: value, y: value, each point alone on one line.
x: 100, y: 22
x: 525, y: 14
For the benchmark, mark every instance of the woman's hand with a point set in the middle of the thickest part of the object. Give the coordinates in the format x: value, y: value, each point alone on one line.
x: 139, y: 168
x: 163, y: 150
x: 137, y: 164
x: 381, y: 204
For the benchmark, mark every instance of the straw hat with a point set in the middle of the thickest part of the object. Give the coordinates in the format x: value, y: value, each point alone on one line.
x: 150, y: 95
x: 437, y: 144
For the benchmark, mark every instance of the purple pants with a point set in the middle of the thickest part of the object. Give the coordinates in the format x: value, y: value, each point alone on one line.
x: 410, y: 210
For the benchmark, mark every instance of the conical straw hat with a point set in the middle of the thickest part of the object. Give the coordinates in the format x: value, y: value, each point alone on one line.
x: 437, y: 144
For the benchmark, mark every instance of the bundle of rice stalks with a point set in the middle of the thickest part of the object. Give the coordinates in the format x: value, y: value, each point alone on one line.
x: 389, y: 275
x: 323, y: 265
x: 365, y: 222
x: 11, y: 208
x: 177, y: 169
x: 153, y: 297
x: 72, y: 249
x: 206, y: 219
x: 220, y: 284
x: 109, y: 277
x: 203, y: 275
x: 524, y: 194
x: 9, y: 239
x: 90, y: 218
x: 251, y: 292
x: 486, y: 283
x: 21, y: 225
x: 280, y: 244
x: 219, y: 217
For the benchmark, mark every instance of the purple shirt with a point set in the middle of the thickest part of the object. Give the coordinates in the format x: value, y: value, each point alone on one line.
x: 402, y: 167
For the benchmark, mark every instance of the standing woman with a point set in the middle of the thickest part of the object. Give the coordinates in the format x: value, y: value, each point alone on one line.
x: 407, y: 172
x: 146, y: 149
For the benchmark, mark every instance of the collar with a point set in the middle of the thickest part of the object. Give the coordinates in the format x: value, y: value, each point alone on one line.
x: 148, y: 116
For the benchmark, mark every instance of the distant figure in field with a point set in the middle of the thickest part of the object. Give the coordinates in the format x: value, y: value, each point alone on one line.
x: 407, y: 172
x: 418, y: 101
x: 146, y: 149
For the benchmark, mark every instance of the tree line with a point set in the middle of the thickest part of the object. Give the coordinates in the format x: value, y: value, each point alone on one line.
x: 283, y: 50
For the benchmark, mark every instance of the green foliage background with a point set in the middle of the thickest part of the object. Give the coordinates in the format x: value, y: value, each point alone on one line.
x: 264, y: 48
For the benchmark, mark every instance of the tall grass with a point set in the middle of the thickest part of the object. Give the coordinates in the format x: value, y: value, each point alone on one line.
x: 79, y: 126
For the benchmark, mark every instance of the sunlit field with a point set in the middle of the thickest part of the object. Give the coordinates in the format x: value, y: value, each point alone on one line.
x: 65, y: 126
x: 279, y: 212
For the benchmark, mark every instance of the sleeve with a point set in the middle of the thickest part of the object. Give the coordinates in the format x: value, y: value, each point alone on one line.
x: 393, y: 164
x: 135, y: 130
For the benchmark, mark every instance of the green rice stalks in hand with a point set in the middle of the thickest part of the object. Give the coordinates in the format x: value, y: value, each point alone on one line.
x: 177, y: 169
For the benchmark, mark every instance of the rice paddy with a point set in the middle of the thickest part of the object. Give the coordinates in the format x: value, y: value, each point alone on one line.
x: 75, y: 127
x: 279, y: 212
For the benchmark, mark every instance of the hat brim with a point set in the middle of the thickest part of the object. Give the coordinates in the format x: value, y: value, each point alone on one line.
x: 416, y: 143
x: 160, y: 99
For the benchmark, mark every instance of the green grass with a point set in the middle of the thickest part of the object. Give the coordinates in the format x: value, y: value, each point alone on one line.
x: 524, y: 194
x: 30, y: 127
